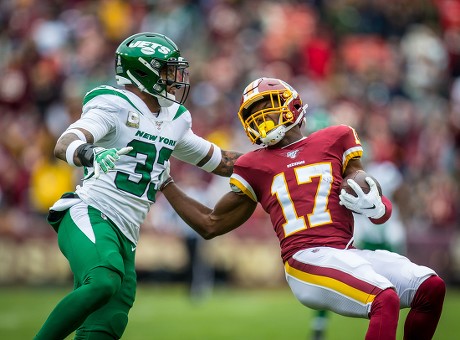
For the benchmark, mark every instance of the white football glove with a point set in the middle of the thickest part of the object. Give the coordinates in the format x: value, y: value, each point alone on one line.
x: 104, y: 159
x: 369, y: 205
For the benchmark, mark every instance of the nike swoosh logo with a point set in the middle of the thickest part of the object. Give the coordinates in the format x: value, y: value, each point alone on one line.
x: 133, y: 248
x: 373, y: 207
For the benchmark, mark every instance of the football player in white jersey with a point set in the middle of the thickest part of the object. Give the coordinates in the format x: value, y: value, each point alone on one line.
x: 124, y: 139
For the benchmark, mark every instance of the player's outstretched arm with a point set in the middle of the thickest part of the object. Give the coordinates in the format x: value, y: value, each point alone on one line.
x: 231, y: 211
x: 225, y: 168
x: 219, y: 162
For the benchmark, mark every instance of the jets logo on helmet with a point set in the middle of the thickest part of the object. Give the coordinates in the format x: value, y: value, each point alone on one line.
x: 284, y: 101
x: 148, y: 47
x: 152, y: 62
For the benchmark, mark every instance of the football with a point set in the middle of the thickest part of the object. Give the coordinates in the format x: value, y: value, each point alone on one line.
x: 359, y: 177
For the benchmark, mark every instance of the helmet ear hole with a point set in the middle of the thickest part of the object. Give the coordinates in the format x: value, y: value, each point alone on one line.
x: 288, y: 115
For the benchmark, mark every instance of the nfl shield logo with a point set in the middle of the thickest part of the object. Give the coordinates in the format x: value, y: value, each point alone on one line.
x: 292, y: 154
x: 158, y: 125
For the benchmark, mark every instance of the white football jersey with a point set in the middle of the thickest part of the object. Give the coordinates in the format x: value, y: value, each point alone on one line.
x: 118, y: 118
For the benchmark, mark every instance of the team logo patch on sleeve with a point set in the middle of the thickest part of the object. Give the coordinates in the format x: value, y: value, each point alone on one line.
x: 133, y: 119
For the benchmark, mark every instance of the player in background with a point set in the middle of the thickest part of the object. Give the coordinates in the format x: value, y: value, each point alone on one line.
x: 124, y: 139
x: 390, y: 235
x: 296, y: 180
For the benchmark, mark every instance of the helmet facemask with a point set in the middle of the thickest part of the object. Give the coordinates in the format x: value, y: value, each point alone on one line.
x: 175, y: 77
x: 281, y: 112
x: 269, y: 125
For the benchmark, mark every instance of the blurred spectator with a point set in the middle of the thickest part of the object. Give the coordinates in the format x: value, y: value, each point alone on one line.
x: 390, y: 69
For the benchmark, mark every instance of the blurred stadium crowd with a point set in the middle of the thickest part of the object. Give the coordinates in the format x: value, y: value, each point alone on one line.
x: 391, y: 69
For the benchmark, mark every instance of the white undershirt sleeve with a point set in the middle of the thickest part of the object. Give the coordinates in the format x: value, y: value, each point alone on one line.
x: 76, y: 132
x: 193, y: 148
x: 214, y: 161
x: 96, y: 121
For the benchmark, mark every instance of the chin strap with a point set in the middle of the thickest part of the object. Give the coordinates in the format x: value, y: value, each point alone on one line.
x: 275, y: 135
x: 122, y: 80
x: 165, y: 101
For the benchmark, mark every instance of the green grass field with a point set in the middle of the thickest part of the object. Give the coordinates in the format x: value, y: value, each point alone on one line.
x: 166, y: 313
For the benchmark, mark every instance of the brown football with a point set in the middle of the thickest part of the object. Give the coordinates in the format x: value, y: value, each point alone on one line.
x: 359, y: 177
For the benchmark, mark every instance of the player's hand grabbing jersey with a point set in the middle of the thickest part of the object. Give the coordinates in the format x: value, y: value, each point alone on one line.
x: 302, y: 197
x: 117, y: 119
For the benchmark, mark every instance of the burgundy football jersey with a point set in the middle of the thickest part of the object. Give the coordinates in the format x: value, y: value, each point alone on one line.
x: 298, y: 186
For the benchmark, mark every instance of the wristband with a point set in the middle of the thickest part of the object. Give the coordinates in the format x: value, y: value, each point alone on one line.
x: 85, y: 154
x: 169, y: 180
x: 214, y: 161
x: 70, y: 151
x: 388, y: 209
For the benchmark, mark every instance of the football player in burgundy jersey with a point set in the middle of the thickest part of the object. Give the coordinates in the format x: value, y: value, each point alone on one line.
x: 296, y: 180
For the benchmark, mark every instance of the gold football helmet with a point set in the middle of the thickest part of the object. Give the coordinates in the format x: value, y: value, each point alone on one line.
x: 283, y: 100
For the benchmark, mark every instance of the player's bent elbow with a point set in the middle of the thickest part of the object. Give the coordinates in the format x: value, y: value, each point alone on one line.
x: 209, y: 232
x: 213, y: 226
x: 208, y: 236
x: 59, y: 151
x: 204, y: 230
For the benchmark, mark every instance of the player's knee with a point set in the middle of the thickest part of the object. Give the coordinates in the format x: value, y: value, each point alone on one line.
x: 437, y: 288
x: 112, y: 328
x: 430, y: 294
x: 386, y: 302
x: 118, y: 324
x: 104, y: 283
x: 390, y: 298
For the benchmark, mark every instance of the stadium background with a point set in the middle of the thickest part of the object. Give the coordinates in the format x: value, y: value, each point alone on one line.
x: 391, y: 69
